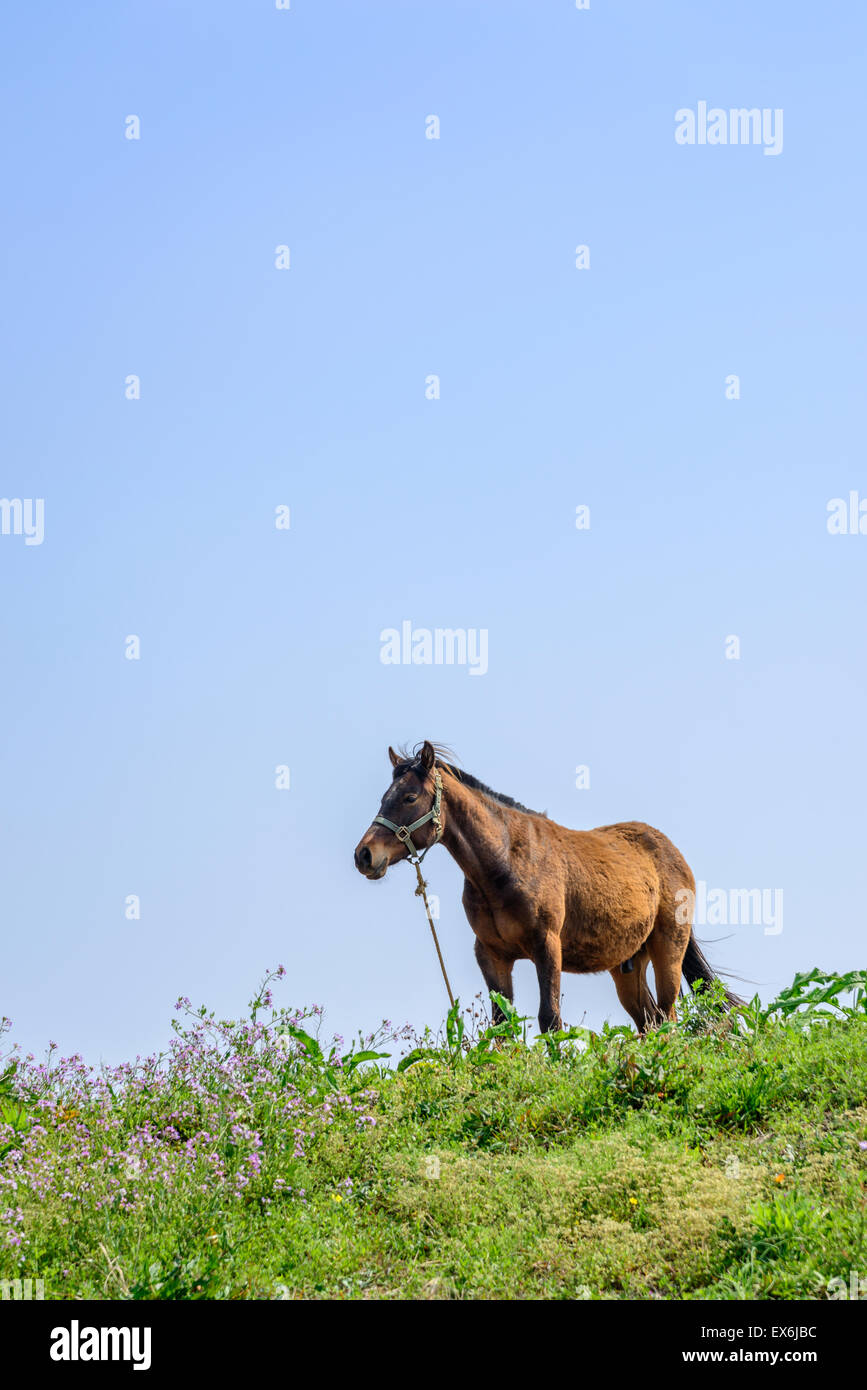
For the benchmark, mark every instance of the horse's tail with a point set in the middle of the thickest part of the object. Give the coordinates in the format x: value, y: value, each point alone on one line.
x: 695, y: 967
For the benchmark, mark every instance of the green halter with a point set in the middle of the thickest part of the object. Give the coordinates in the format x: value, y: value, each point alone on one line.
x: 404, y: 832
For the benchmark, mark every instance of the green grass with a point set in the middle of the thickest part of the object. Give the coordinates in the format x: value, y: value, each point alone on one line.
x: 711, y: 1160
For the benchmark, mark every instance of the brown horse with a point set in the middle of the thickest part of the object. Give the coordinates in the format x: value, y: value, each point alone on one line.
x: 576, y: 900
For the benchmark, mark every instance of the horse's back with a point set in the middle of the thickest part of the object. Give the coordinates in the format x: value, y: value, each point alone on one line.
x: 623, y: 878
x: 648, y: 839
x: 632, y: 843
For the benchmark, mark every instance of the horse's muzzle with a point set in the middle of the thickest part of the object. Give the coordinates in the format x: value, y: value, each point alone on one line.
x: 365, y: 862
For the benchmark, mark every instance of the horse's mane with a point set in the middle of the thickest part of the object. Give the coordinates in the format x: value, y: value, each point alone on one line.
x: 446, y: 760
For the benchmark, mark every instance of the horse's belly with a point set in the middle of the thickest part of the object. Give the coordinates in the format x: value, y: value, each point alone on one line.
x: 590, y: 948
x: 586, y: 960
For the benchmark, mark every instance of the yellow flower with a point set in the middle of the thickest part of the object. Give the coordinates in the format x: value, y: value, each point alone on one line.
x: 781, y: 1177
x: 336, y: 1197
x: 633, y: 1201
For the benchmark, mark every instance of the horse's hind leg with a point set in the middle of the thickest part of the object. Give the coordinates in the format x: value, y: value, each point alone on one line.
x: 634, y: 995
x: 667, y: 945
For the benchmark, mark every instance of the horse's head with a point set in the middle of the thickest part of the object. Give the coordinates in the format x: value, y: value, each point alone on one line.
x: 409, y: 821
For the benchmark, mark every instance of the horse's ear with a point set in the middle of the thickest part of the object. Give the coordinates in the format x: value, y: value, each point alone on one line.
x: 393, y: 756
x: 427, y: 756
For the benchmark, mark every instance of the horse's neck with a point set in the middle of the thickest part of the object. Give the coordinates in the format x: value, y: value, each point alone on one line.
x: 475, y: 835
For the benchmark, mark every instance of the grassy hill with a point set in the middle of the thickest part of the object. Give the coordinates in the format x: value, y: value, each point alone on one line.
x: 722, y: 1158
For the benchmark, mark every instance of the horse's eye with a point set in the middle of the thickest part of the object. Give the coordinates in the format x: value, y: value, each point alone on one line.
x: 410, y: 797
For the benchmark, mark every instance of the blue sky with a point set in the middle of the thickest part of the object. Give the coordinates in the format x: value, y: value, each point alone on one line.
x: 559, y: 387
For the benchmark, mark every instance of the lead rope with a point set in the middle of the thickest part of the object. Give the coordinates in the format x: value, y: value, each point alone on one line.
x: 421, y: 892
x: 404, y: 834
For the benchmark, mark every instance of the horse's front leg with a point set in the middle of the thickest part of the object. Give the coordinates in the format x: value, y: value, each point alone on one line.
x: 496, y: 965
x: 497, y: 971
x: 548, y: 959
